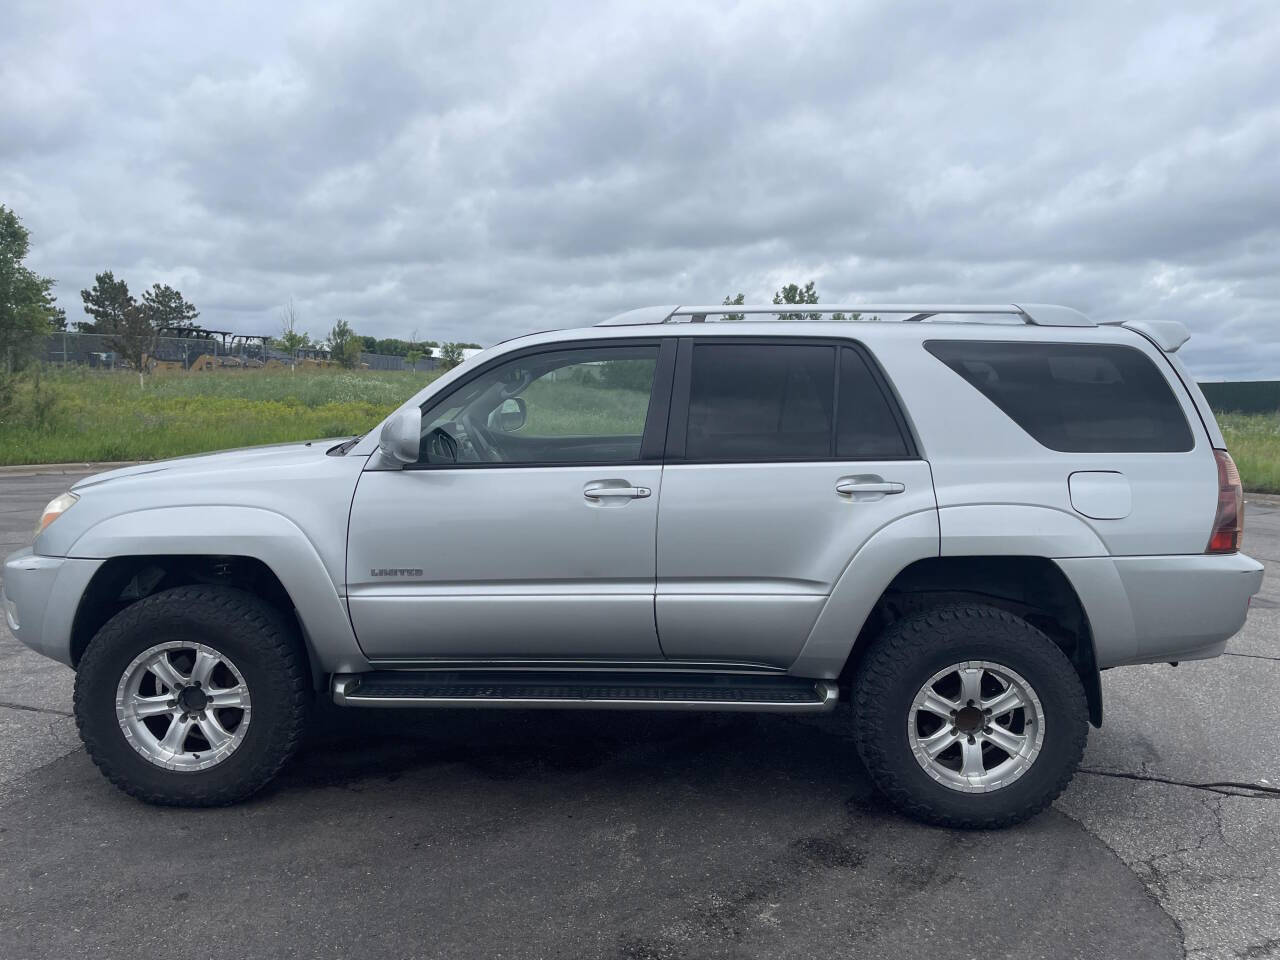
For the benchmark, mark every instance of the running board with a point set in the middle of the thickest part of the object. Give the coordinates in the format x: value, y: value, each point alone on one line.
x: 620, y: 690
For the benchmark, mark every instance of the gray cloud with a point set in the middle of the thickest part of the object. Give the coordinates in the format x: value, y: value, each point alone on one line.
x: 477, y: 171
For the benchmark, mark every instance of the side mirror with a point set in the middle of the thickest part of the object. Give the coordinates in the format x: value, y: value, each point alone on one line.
x: 401, y: 436
x: 510, y: 416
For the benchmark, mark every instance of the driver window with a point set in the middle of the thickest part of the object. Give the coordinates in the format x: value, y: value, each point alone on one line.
x: 567, y: 406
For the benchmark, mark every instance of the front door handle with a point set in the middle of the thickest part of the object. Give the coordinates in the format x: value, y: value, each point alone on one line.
x: 853, y: 488
x: 595, y: 491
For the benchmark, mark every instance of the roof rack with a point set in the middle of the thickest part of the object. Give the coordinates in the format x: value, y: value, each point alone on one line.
x: 1037, y: 314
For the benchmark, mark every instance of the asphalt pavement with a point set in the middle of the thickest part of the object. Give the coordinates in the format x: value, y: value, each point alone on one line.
x: 569, y: 834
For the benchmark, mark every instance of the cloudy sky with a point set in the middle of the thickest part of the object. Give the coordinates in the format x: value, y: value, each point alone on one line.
x: 475, y: 171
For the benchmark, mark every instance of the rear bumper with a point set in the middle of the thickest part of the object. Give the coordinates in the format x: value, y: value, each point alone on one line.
x: 1153, y: 609
x: 40, y: 596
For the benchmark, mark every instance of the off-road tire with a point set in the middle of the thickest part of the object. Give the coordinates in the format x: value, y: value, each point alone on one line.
x: 909, y: 652
x: 262, y: 643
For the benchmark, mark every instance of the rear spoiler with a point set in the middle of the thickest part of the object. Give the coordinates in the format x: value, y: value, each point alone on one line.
x: 1168, y: 335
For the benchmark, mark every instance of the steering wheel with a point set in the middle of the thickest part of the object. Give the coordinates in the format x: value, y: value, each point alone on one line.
x: 480, y: 440
x: 440, y: 446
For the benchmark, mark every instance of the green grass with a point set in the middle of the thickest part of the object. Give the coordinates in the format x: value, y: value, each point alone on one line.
x: 1254, y: 442
x: 89, y: 415
x: 569, y: 409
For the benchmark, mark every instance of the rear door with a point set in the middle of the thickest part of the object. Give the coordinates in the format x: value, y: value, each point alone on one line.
x: 783, y: 457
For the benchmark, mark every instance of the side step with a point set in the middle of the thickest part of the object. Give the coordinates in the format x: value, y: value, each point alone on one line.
x: 594, y: 690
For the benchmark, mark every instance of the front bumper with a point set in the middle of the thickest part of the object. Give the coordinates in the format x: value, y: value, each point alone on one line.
x: 40, y: 596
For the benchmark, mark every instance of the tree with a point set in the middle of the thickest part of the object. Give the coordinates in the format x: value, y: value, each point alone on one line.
x: 27, y: 310
x: 450, y: 355
x: 427, y: 347
x: 737, y: 301
x: 124, y: 322
x: 349, y: 355
x: 412, y: 357
x: 793, y: 294
x: 166, y: 307
x: 291, y: 339
x: 106, y: 302
x: 344, y: 345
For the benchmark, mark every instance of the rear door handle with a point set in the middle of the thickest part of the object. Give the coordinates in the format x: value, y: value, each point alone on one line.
x: 854, y: 487
x: 594, y: 491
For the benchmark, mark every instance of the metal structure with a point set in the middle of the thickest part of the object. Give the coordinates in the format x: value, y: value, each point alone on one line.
x: 1036, y: 314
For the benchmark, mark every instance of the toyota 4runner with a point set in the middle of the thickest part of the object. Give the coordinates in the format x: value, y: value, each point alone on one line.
x: 953, y: 525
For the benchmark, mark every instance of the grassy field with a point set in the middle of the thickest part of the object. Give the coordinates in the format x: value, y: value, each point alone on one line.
x: 84, y: 415
x: 1254, y: 442
x: 89, y: 415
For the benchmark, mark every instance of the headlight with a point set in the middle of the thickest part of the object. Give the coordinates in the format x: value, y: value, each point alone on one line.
x: 56, y: 508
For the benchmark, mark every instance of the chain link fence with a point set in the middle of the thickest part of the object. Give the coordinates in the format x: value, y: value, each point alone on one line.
x: 97, y: 351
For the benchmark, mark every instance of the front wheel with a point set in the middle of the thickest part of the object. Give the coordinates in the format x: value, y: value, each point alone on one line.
x: 194, y: 696
x: 968, y: 716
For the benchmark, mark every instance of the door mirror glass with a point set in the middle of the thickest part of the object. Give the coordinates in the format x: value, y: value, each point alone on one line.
x: 510, y: 415
x: 401, y: 435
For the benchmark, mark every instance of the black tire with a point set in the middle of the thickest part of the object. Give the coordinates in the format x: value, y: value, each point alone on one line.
x: 912, y: 650
x: 263, y: 645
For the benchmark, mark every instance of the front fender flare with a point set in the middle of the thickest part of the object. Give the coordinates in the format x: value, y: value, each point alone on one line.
x: 264, y: 535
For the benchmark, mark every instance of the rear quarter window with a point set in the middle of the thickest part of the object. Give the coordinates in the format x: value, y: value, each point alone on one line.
x: 1075, y: 398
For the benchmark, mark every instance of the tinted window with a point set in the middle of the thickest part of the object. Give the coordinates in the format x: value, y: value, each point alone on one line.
x: 866, y: 427
x: 567, y: 406
x: 1077, y: 398
x: 760, y: 402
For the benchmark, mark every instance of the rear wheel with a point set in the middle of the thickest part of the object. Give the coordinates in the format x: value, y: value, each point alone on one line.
x: 194, y: 696
x: 969, y: 716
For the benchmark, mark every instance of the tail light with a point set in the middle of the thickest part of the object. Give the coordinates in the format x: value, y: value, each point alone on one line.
x: 1228, y: 522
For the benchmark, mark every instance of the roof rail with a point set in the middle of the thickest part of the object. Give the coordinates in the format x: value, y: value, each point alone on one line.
x: 1037, y: 314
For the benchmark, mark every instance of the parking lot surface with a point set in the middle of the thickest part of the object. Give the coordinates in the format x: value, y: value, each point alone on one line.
x: 567, y: 834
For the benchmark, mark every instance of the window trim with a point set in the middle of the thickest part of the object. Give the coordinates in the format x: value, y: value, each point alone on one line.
x: 656, y: 416
x: 1173, y: 394
x: 677, y: 432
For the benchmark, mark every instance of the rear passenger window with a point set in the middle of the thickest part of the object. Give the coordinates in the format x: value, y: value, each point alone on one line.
x: 781, y: 401
x: 760, y: 402
x: 867, y: 428
x: 1076, y: 398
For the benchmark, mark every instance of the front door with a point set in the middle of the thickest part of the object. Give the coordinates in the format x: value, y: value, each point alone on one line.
x: 527, y: 528
x: 784, y: 458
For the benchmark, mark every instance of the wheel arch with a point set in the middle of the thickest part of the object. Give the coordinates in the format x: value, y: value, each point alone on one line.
x: 122, y: 581
x: 906, y: 556
x: 1033, y: 588
x: 188, y: 541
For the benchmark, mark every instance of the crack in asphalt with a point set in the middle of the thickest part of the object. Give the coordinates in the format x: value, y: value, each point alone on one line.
x: 1229, y: 788
x: 1251, y: 656
x: 23, y: 706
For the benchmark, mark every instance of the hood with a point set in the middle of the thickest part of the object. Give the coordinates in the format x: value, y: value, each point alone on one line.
x: 223, y: 461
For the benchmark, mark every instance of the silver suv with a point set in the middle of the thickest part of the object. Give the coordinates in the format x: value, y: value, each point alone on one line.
x: 953, y: 525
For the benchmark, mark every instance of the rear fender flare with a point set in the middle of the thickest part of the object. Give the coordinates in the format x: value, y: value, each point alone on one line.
x: 888, y: 551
